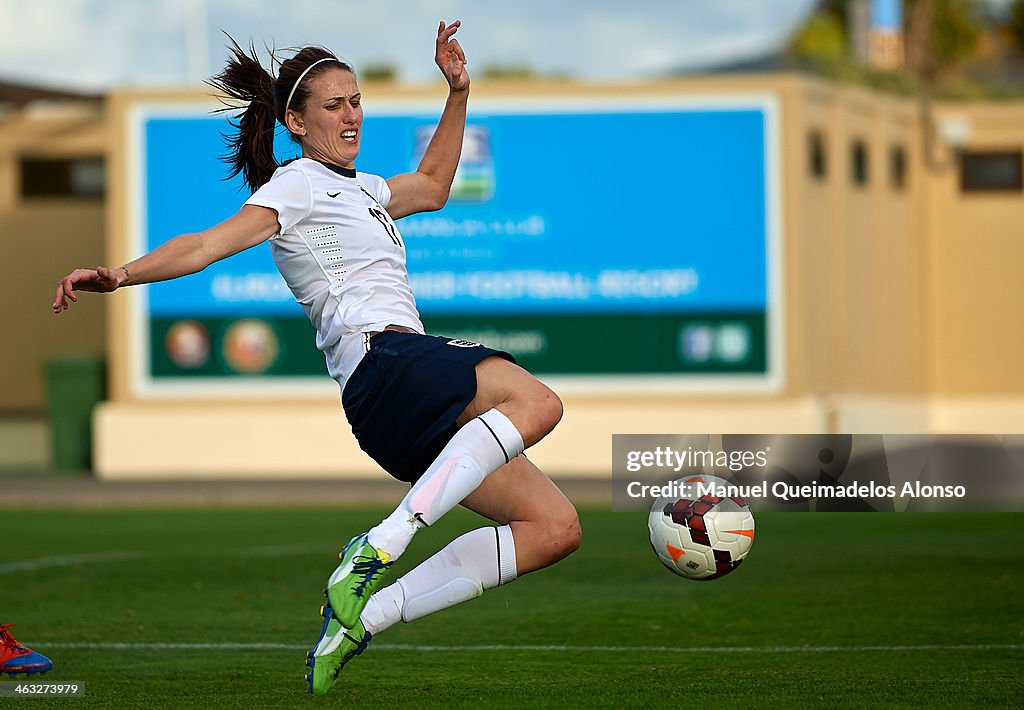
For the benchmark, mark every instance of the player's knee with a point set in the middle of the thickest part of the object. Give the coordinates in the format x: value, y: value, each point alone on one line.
x: 573, y: 534
x: 551, y: 409
x: 564, y: 534
x: 545, y: 412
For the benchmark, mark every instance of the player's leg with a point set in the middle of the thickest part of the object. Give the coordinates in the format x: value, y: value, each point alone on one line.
x: 538, y: 527
x: 543, y: 521
x: 528, y: 403
x: 511, y: 410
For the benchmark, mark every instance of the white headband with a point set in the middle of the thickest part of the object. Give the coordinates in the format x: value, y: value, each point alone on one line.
x: 302, y: 76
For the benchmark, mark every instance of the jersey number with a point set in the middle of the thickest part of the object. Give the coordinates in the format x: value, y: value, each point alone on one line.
x: 386, y: 223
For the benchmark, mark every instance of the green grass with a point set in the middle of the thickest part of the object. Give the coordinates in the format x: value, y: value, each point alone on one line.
x: 861, y: 582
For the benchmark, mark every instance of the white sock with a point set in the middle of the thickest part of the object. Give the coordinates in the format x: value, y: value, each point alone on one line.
x: 477, y: 450
x: 481, y: 559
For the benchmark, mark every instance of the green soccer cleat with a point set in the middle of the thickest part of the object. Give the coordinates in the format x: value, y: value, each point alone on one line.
x: 335, y: 647
x: 357, y: 577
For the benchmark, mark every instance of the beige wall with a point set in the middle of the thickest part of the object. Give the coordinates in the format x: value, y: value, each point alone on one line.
x: 44, y: 238
x: 977, y: 253
x: 865, y: 317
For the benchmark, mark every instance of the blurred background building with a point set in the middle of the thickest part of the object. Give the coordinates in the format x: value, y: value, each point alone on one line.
x: 898, y: 131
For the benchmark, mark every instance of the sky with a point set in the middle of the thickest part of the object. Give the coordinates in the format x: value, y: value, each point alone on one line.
x: 98, y: 44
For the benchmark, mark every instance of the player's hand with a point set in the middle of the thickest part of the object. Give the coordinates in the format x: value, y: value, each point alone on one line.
x: 450, y: 58
x: 99, y: 280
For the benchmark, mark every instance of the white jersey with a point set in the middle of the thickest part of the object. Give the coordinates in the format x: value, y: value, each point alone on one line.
x: 341, y: 255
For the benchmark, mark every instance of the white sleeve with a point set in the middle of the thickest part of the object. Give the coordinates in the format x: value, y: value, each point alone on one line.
x: 376, y: 186
x: 289, y: 194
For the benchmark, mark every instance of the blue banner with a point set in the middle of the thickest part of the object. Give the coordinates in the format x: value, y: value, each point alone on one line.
x: 553, y: 212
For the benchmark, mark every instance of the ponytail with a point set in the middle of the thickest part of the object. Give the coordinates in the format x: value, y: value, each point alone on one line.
x: 251, y: 145
x: 261, y: 100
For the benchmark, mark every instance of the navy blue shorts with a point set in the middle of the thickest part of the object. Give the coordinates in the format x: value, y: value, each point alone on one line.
x: 403, y: 398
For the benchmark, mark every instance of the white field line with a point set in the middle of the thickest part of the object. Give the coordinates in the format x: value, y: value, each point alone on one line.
x: 70, y: 560
x: 282, y: 550
x: 37, y: 563
x: 113, y: 645
x: 66, y: 561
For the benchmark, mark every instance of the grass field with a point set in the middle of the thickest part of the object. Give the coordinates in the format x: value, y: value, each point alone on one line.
x: 215, y: 608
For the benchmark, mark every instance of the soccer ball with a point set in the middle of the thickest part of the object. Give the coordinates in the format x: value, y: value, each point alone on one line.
x: 699, y: 536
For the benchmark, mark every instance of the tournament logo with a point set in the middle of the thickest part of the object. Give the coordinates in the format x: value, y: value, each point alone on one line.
x: 188, y: 344
x: 250, y: 346
x: 474, y: 179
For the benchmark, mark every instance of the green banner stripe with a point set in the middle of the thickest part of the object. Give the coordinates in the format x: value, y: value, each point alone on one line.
x: 691, y: 343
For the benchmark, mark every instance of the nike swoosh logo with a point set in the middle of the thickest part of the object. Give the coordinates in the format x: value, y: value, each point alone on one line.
x: 334, y: 194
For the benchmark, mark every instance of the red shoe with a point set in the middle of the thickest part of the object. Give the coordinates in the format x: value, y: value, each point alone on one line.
x: 15, y: 658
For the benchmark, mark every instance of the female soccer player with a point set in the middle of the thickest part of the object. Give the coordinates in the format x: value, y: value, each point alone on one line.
x: 450, y: 417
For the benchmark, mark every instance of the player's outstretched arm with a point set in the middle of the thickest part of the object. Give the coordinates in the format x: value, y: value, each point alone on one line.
x: 427, y: 189
x: 185, y: 254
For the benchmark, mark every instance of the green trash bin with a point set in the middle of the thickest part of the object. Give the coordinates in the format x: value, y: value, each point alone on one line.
x: 75, y: 385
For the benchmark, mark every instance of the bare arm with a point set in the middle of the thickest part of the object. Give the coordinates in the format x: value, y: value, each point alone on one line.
x: 427, y: 189
x: 185, y: 254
